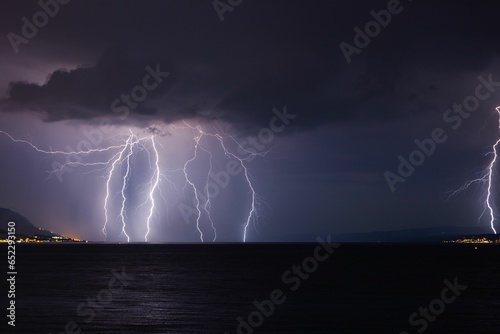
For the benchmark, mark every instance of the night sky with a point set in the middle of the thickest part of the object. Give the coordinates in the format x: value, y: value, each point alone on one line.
x: 350, y: 102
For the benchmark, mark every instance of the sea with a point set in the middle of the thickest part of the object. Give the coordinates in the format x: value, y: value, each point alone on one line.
x: 255, y: 288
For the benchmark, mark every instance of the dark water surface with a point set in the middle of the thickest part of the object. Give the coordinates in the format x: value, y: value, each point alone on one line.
x: 205, y: 288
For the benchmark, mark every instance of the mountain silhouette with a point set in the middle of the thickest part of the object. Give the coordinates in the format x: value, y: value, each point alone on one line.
x: 23, y: 225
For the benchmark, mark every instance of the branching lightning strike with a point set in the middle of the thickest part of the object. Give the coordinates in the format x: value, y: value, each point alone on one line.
x: 486, y: 177
x: 198, y: 135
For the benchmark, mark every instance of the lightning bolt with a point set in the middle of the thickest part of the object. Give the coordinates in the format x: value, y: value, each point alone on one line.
x: 486, y: 177
x: 253, y: 211
x: 195, y: 191
x: 115, y: 161
x: 208, y: 203
x: 155, y: 180
x: 490, y: 178
x: 90, y: 151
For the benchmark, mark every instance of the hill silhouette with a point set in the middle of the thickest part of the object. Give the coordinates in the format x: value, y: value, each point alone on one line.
x: 23, y: 225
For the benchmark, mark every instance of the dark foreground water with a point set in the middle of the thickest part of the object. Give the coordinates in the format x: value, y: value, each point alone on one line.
x: 68, y: 288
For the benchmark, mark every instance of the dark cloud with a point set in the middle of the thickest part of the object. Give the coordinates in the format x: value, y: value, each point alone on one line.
x: 264, y: 55
x: 86, y: 92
